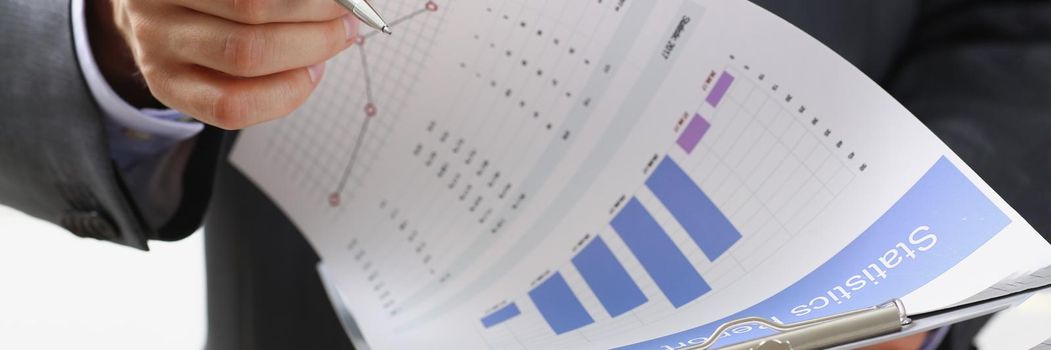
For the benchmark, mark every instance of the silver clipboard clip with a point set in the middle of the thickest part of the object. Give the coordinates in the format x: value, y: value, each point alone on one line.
x: 819, y: 333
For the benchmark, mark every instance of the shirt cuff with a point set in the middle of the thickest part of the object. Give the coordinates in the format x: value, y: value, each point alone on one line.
x: 150, y: 147
x: 134, y: 134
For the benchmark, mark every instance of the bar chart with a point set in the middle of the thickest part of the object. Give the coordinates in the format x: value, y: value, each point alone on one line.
x: 678, y: 280
x: 676, y: 277
x: 732, y: 110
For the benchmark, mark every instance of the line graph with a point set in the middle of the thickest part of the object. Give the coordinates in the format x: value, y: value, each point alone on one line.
x: 335, y: 198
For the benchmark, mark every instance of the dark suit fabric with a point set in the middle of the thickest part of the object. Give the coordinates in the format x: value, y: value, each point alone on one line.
x: 263, y: 290
x: 977, y: 72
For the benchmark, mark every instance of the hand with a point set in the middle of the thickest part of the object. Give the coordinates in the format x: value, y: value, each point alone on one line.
x: 228, y: 63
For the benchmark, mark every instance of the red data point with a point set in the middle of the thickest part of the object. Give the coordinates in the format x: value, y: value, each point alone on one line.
x: 370, y: 110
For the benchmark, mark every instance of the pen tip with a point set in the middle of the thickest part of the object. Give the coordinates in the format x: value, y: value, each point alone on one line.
x: 386, y: 29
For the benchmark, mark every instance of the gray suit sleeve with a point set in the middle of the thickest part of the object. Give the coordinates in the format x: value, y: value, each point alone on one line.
x: 978, y: 73
x: 54, y: 158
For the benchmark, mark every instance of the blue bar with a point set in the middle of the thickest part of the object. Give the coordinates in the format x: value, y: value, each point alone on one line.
x: 665, y: 263
x: 608, y: 279
x: 503, y: 314
x: 560, y: 308
x: 705, y: 223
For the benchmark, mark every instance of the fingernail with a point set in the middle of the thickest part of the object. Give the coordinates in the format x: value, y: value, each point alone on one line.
x: 316, y: 71
x: 350, y: 23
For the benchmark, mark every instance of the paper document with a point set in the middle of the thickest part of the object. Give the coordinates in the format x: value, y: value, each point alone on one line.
x: 512, y: 174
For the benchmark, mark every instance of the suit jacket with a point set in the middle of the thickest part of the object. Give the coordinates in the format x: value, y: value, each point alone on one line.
x: 976, y: 72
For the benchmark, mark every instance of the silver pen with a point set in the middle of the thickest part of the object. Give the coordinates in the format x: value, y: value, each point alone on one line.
x: 366, y: 14
x: 819, y: 333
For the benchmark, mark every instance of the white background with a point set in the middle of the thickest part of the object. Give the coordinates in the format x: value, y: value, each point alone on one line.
x: 62, y: 292
x: 58, y: 291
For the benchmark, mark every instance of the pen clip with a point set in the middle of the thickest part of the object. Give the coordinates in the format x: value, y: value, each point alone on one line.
x: 774, y: 343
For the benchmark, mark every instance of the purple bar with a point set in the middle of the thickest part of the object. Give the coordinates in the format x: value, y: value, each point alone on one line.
x: 721, y: 86
x: 693, y: 133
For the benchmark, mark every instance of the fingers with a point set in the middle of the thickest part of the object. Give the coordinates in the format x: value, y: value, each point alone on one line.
x: 230, y: 102
x: 263, y: 49
x: 233, y: 63
x: 267, y: 11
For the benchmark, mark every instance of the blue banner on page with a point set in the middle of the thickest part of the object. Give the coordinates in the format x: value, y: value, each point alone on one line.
x: 941, y: 220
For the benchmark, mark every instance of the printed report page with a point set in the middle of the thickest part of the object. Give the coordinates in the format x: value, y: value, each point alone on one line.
x: 513, y: 174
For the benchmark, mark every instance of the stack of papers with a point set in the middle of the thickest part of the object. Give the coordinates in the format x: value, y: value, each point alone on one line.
x: 511, y: 174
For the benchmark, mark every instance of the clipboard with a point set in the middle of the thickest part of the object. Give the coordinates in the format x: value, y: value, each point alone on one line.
x: 848, y: 330
x: 878, y: 324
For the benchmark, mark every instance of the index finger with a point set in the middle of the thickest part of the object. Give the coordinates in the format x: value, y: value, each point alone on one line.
x: 267, y: 11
